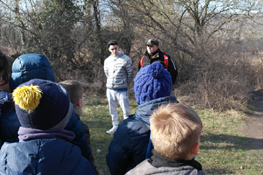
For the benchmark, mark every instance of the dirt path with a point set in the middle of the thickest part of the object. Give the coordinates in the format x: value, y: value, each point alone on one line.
x: 254, y: 127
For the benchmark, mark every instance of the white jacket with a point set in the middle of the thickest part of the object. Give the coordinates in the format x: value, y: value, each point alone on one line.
x: 118, y: 70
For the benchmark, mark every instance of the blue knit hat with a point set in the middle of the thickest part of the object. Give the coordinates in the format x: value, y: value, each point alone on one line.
x: 152, y: 82
x: 42, y: 104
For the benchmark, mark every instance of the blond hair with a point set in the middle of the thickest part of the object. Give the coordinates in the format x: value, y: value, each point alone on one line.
x: 74, y: 90
x: 175, y: 129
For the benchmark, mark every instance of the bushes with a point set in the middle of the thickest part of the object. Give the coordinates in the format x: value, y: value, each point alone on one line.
x: 220, y: 82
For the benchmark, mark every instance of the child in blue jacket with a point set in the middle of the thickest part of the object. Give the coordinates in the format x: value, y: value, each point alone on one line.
x: 43, y: 109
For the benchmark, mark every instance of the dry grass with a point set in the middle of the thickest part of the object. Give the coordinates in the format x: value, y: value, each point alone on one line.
x: 224, y: 147
x: 221, y: 83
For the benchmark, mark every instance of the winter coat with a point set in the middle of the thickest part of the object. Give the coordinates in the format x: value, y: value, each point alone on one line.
x: 119, y: 71
x: 5, y: 105
x: 164, y: 166
x: 23, y: 70
x: 9, y: 123
x: 159, y: 57
x: 43, y: 156
x: 129, y: 144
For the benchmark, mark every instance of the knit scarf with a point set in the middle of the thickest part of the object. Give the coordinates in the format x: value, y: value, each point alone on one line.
x: 26, y: 134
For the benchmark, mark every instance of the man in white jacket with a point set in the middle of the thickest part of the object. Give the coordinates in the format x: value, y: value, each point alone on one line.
x: 119, y: 72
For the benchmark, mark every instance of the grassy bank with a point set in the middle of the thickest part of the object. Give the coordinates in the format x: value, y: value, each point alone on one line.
x: 224, y: 146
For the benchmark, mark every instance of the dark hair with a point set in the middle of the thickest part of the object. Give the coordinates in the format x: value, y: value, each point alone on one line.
x: 4, y: 67
x: 112, y: 42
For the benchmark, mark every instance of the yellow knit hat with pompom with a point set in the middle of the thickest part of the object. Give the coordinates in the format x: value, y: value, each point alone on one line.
x: 27, y: 97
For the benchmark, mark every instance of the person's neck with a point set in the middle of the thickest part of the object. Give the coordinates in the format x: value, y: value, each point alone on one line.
x: 78, y: 110
x: 153, y: 54
x: 116, y: 54
x: 190, y: 157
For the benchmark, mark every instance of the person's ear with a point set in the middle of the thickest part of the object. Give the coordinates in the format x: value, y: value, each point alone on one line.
x: 195, y: 149
x: 2, y: 82
x: 79, y: 103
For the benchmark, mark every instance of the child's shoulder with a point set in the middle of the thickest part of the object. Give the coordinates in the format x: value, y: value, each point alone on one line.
x: 5, y: 102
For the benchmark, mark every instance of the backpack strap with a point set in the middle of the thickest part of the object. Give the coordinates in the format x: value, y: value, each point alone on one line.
x: 166, y: 61
x: 141, y: 60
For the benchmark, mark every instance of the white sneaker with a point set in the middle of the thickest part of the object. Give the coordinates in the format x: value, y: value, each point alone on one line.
x: 112, y: 130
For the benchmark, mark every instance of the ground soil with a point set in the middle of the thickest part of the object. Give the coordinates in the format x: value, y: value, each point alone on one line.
x: 254, y: 123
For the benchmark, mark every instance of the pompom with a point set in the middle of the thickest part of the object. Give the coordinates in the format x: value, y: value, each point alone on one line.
x: 27, y: 97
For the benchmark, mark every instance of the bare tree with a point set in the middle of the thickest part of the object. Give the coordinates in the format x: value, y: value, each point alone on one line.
x: 188, y: 25
x: 45, y: 26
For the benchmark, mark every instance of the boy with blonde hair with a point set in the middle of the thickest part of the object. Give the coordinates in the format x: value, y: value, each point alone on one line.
x: 175, y: 132
x: 75, y: 92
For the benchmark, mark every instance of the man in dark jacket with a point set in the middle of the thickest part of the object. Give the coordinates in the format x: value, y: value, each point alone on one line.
x: 152, y: 87
x: 154, y: 54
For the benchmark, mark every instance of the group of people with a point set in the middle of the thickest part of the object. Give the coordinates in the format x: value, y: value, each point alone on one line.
x: 41, y: 131
x: 118, y: 69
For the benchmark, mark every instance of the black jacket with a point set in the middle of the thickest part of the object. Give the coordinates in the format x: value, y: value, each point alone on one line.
x: 159, y: 56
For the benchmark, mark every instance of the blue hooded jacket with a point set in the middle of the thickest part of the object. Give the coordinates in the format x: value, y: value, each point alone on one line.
x: 25, y: 68
x: 43, y: 156
x: 129, y: 144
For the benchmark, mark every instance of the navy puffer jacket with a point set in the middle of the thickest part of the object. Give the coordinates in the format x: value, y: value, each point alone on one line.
x: 43, y: 156
x: 25, y: 68
x: 129, y: 144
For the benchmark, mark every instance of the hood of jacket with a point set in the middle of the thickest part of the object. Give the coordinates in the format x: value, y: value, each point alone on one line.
x: 30, y: 66
x: 144, y: 111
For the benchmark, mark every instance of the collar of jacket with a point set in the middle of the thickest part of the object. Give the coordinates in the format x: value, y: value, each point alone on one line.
x: 120, y: 54
x: 26, y: 134
x: 144, y: 111
x: 158, y: 160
